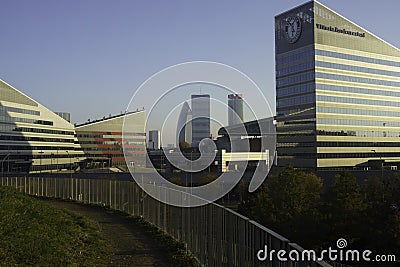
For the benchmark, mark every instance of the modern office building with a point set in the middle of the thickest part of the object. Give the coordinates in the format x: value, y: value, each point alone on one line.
x: 200, y: 118
x: 33, y: 138
x: 102, y: 140
x: 184, y: 126
x: 337, y: 90
x: 235, y: 109
x: 154, y: 140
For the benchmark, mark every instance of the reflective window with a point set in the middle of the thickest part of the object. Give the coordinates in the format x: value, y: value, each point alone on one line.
x: 357, y: 58
x: 296, y: 100
x: 4, y: 109
x: 356, y: 69
x: 298, y: 89
x: 297, y: 78
x: 295, y: 68
x: 355, y: 79
x: 359, y: 133
x: 337, y: 99
x: 367, y: 112
x: 7, y: 118
x: 334, y: 121
x: 283, y: 59
x: 356, y: 90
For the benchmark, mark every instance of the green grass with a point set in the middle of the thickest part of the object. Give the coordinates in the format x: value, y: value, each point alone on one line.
x: 32, y: 233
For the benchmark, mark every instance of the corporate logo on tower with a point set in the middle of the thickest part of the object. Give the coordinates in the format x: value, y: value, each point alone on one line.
x: 293, y: 29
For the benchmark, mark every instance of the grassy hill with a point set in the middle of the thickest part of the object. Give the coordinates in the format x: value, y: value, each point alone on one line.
x: 35, y: 234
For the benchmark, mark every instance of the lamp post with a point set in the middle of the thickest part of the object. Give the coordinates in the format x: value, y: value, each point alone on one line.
x: 2, y: 167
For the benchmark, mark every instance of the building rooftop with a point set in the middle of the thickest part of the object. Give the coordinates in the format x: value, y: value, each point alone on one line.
x: 108, y: 118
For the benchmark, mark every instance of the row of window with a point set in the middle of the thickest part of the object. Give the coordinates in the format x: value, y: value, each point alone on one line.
x: 14, y: 147
x: 47, y: 167
x: 104, y: 155
x: 297, y: 89
x: 357, y: 155
x: 126, y: 136
x: 33, y: 138
x: 296, y: 100
x: 340, y: 144
x: 8, y: 119
x: 102, y: 148
x: 57, y: 156
x: 296, y: 68
x: 111, y: 143
x: 354, y: 79
x: 357, y: 90
x: 298, y: 144
x: 342, y: 155
x: 295, y: 57
x: 307, y: 109
x: 359, y: 133
x: 334, y: 121
x: 358, y: 144
x: 338, y: 99
x: 4, y: 109
x: 46, y: 131
x: 367, y: 112
x: 356, y: 68
x: 357, y: 58
x: 298, y: 78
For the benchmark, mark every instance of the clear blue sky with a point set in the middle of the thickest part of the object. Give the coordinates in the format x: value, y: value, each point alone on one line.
x: 88, y: 57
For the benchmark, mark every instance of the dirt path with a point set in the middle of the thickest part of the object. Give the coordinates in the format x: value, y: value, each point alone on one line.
x: 130, y: 246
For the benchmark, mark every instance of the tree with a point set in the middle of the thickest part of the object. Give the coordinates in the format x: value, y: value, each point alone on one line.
x: 344, y: 209
x: 286, y: 203
x: 184, y: 145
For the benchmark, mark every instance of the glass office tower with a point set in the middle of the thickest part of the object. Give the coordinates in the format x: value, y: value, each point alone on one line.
x: 337, y: 90
x: 235, y: 109
x: 200, y: 118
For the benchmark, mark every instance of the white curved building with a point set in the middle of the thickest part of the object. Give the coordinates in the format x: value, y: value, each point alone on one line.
x: 33, y: 138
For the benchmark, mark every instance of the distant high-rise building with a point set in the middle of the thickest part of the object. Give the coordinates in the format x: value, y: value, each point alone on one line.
x: 65, y: 115
x: 235, y: 110
x: 200, y: 118
x: 154, y: 140
x: 184, y: 127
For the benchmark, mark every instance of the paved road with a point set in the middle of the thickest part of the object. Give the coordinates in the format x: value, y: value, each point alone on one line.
x: 130, y: 246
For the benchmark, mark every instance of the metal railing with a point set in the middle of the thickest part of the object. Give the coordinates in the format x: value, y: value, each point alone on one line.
x: 215, y: 235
